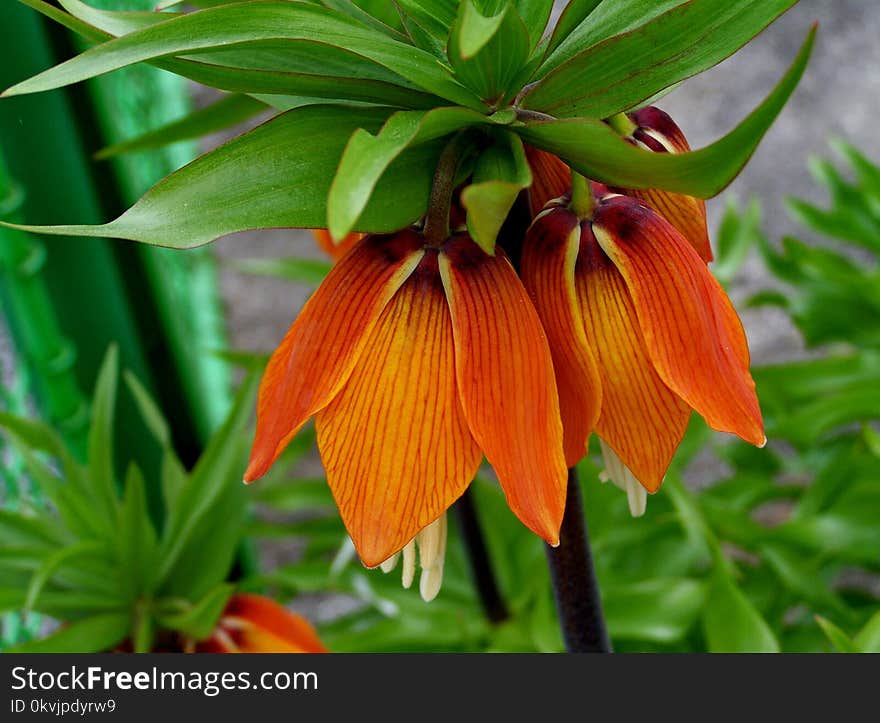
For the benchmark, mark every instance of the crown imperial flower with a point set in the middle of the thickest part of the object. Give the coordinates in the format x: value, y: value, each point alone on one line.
x: 413, y: 359
x: 641, y: 334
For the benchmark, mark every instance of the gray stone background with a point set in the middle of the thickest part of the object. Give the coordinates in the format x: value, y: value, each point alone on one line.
x: 839, y: 95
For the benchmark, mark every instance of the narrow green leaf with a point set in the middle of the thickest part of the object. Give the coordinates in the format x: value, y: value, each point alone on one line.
x: 732, y: 624
x: 39, y: 436
x: 272, y: 24
x: 488, y: 53
x: 474, y: 30
x: 367, y: 157
x: 225, y: 113
x: 114, y: 22
x: 102, y: 477
x: 584, y: 23
x: 18, y: 528
x: 840, y: 640
x: 575, y: 12
x: 211, y: 497
x: 634, y: 613
x: 622, y: 71
x: 96, y: 634
x: 224, y: 191
x: 54, y: 562
x: 867, y: 640
x: 534, y: 14
x: 594, y: 150
x: 500, y: 175
x: 199, y: 620
x: 136, y: 546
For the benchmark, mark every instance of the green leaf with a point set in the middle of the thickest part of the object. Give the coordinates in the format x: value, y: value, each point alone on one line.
x: 367, y: 157
x: 534, y: 14
x: 488, y: 53
x: 500, y: 175
x: 224, y: 191
x: 867, y: 640
x: 735, y: 238
x: 137, y: 546
x: 18, y: 528
x: 574, y: 14
x: 270, y: 25
x: 102, y: 477
x: 205, y: 521
x: 199, y: 620
x: 840, y: 640
x: 114, y: 22
x: 585, y: 23
x: 96, y: 634
x: 40, y: 437
x: 622, y: 71
x: 594, y: 150
x: 661, y: 610
x: 55, y: 561
x: 732, y: 624
x: 225, y: 113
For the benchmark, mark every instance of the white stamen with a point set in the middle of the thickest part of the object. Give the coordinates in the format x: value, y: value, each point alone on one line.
x: 622, y: 477
x: 390, y: 563
x: 432, y: 556
x: 409, y: 564
x: 430, y: 543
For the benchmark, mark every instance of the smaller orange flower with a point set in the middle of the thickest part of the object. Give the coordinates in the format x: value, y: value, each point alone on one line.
x: 641, y: 334
x: 256, y: 624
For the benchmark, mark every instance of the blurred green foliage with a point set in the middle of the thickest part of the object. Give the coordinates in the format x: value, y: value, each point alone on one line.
x: 781, y: 552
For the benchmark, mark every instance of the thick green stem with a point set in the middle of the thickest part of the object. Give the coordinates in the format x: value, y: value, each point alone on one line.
x: 622, y: 124
x: 582, y: 201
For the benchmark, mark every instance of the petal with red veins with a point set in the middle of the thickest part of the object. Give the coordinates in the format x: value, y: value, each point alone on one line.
x: 505, y: 379
x: 394, y: 441
x: 642, y: 420
x: 319, y: 351
x: 693, y: 336
x: 548, y: 261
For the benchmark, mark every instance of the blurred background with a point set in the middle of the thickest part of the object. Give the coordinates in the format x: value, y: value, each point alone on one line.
x: 777, y: 549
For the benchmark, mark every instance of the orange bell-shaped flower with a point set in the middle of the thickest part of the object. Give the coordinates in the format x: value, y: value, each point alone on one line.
x: 416, y: 361
x: 641, y: 334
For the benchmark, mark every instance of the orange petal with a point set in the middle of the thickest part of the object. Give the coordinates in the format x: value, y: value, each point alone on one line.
x: 394, y: 441
x: 548, y: 260
x: 335, y: 250
x: 551, y: 177
x: 642, y: 420
x: 319, y: 351
x: 505, y: 378
x: 686, y: 213
x: 691, y: 331
x: 656, y: 131
x: 256, y: 624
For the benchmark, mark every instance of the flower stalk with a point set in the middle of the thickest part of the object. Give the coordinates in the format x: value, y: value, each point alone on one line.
x: 490, y: 596
x: 436, y: 229
x: 573, y: 575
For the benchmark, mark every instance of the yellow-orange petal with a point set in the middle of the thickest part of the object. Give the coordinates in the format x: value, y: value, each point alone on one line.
x: 335, y: 250
x: 319, y: 351
x: 693, y: 335
x: 504, y: 373
x: 548, y: 261
x: 686, y: 213
x: 256, y: 624
x: 641, y: 419
x: 551, y: 177
x: 394, y: 441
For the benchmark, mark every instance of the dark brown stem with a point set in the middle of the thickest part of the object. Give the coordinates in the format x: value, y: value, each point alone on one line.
x: 478, y: 556
x: 436, y: 229
x: 574, y: 580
